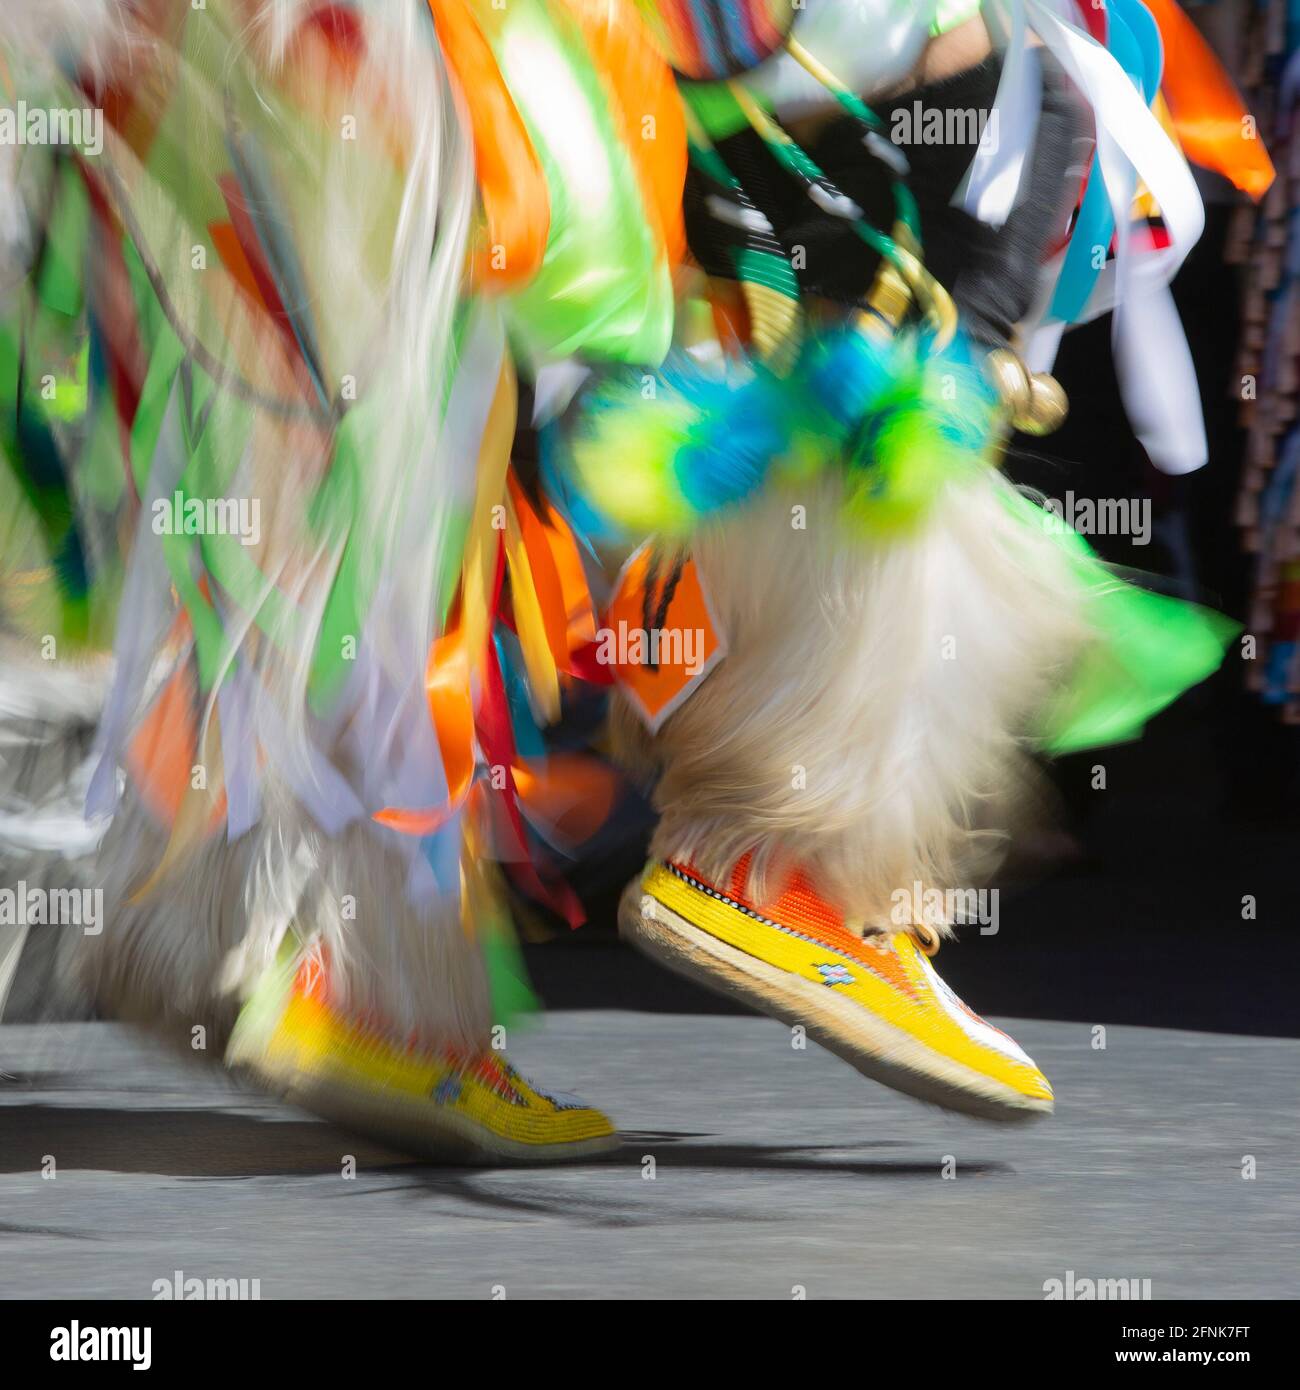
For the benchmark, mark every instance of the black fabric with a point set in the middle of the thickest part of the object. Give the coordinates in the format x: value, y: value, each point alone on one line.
x: 984, y: 267
x: 992, y: 288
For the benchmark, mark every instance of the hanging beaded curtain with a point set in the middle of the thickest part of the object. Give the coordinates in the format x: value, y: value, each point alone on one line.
x: 1265, y: 241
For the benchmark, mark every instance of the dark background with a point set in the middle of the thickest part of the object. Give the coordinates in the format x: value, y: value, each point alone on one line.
x: 1139, y: 918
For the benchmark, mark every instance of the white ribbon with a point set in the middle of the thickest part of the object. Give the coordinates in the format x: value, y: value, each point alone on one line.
x: 1157, y: 376
x: 993, y: 179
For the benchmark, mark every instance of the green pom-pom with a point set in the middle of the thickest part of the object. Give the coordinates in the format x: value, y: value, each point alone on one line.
x: 912, y: 462
x: 919, y: 440
x: 623, y: 458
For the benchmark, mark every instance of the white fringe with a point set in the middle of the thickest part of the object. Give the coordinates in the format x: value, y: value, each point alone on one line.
x: 47, y: 722
x: 41, y: 32
x: 186, y: 954
x: 391, y: 258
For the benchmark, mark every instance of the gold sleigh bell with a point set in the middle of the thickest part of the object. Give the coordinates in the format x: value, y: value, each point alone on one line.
x: 1034, y: 401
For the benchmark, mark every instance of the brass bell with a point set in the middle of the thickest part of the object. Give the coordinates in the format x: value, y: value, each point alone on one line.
x: 1035, y: 403
x: 1048, y: 406
x: 1011, y: 381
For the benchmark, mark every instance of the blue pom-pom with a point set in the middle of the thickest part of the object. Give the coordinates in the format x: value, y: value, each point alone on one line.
x: 728, y: 460
x: 845, y: 375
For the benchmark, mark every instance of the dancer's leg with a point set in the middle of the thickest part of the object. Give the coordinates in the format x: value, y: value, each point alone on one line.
x: 861, y: 746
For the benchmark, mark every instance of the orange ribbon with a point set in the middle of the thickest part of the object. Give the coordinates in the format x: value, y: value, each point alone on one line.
x: 447, y: 685
x: 572, y: 794
x: 1214, y: 127
x: 162, y: 759
x: 555, y: 577
x: 646, y: 107
x: 556, y: 617
x: 516, y: 203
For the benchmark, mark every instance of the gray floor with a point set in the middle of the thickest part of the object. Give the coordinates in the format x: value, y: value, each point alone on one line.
x: 774, y: 1170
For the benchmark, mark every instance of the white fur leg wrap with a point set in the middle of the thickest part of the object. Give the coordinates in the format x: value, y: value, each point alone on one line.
x: 869, y: 719
x: 187, y: 950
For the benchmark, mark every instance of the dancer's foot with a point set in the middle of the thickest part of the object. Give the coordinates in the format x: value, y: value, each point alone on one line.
x: 434, y: 1103
x: 876, y: 1000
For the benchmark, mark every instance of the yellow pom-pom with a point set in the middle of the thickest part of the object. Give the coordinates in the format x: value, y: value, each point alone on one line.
x: 624, y: 463
x: 910, y: 463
